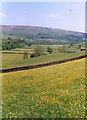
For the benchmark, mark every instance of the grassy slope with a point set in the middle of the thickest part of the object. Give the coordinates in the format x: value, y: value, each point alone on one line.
x: 51, y: 92
x: 14, y: 60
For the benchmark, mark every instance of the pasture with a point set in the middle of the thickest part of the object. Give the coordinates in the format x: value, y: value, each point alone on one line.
x: 56, y: 91
x: 15, y: 60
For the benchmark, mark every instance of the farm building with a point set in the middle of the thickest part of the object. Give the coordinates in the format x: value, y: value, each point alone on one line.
x: 81, y: 49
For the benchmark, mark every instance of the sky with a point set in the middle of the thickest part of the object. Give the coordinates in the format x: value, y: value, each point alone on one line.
x: 62, y: 15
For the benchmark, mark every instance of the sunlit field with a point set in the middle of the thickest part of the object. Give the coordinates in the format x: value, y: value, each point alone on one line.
x: 15, y: 60
x: 56, y: 91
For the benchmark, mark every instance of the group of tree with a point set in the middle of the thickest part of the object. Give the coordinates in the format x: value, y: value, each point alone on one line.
x: 38, y: 51
x: 11, y: 43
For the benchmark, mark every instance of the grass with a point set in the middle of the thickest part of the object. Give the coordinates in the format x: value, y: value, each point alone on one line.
x: 18, y: 51
x: 56, y: 91
x: 15, y: 60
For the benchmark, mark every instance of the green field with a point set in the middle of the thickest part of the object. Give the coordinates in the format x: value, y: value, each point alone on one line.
x: 15, y: 60
x: 56, y: 91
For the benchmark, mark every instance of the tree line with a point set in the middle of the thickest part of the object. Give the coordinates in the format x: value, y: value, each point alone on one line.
x: 12, y: 42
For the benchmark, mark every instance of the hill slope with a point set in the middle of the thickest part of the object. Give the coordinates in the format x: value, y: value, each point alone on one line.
x: 42, y: 33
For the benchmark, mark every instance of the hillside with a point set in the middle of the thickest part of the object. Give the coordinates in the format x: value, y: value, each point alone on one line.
x: 41, y: 34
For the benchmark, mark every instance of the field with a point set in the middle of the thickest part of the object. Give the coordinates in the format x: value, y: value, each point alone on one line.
x: 56, y: 91
x: 15, y: 60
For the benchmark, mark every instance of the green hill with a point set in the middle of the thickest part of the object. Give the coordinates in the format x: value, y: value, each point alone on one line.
x: 42, y: 35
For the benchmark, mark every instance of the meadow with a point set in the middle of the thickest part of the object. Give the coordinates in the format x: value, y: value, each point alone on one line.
x: 15, y: 60
x: 56, y: 91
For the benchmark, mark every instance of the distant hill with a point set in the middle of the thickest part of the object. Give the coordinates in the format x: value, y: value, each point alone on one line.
x: 42, y: 34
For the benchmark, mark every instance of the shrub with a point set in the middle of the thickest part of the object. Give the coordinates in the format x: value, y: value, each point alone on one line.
x: 49, y: 49
x: 25, y: 55
x: 32, y: 55
x: 39, y: 50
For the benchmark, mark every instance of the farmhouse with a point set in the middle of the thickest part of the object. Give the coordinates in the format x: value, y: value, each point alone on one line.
x: 81, y: 49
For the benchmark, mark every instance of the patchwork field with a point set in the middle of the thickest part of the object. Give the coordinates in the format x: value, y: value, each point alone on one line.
x: 56, y: 91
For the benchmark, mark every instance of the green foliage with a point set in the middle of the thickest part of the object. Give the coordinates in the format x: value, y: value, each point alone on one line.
x: 12, y: 43
x: 39, y: 50
x: 25, y: 55
x: 79, y: 47
x: 33, y: 55
x: 9, y: 38
x: 49, y: 49
x: 62, y: 49
x: 71, y: 44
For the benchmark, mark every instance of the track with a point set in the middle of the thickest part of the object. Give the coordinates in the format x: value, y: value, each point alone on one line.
x: 41, y: 65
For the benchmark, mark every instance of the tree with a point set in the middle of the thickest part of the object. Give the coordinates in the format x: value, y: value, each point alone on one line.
x: 9, y: 38
x: 25, y: 55
x: 39, y: 50
x: 32, y: 55
x: 71, y: 44
x: 49, y: 49
x: 79, y: 47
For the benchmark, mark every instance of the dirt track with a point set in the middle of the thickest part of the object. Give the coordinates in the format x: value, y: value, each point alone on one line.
x: 40, y: 65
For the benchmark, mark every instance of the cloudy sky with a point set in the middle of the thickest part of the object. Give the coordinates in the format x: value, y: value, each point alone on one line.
x: 63, y: 15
